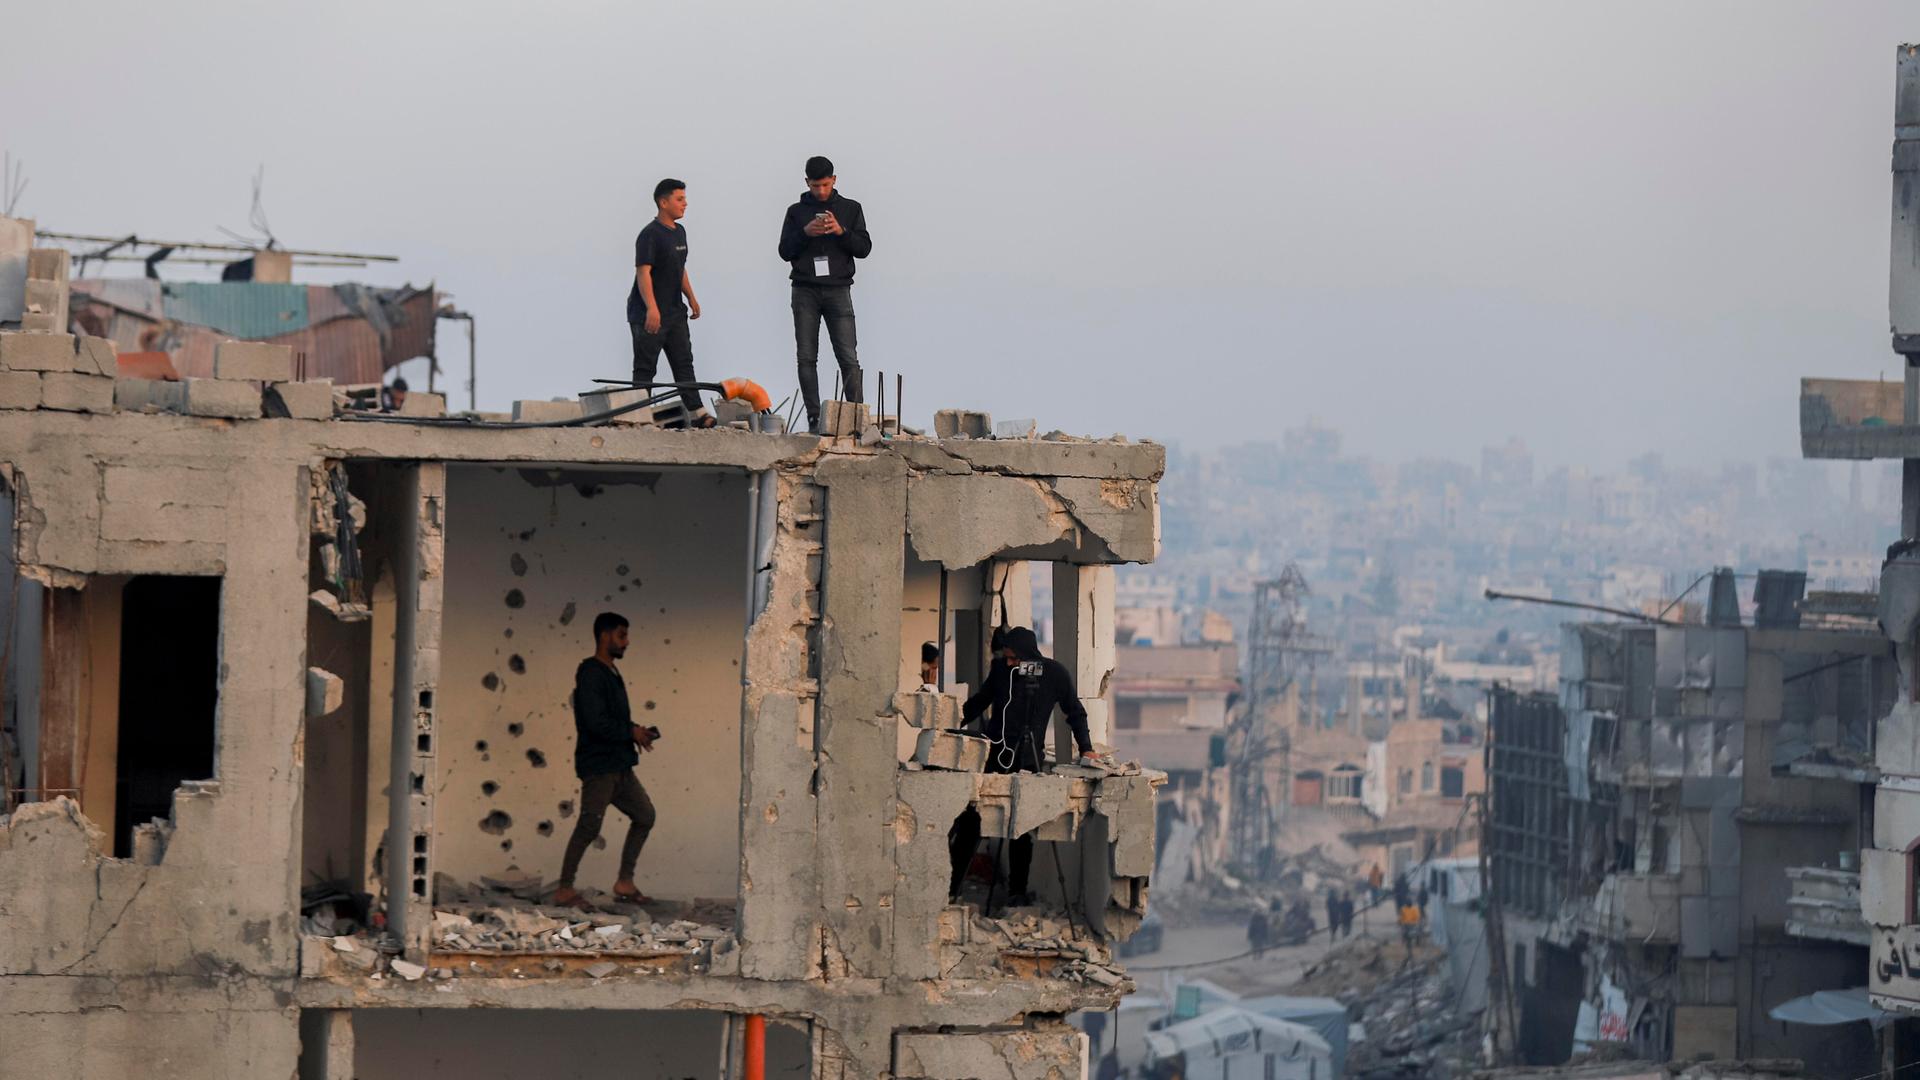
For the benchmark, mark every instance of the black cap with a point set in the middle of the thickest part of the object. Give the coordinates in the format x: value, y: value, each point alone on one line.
x: 819, y: 168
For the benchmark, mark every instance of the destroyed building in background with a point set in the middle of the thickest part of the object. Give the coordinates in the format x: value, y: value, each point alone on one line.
x: 1653, y: 826
x: 287, y: 742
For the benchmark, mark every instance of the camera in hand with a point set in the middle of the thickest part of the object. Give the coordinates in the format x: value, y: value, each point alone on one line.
x: 1029, y: 669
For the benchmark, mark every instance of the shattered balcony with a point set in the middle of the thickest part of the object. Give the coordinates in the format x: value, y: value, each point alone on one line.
x: 1825, y: 904
x: 385, y: 619
x: 1855, y: 419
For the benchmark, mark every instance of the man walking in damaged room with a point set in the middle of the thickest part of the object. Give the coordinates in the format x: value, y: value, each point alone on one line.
x: 604, y: 758
x: 819, y: 239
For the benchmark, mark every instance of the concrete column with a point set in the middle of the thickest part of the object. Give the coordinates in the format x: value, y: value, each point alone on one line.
x: 418, y: 587
x: 1083, y: 641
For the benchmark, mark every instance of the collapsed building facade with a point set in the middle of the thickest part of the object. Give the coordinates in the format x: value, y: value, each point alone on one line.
x: 288, y: 738
x: 1654, y: 831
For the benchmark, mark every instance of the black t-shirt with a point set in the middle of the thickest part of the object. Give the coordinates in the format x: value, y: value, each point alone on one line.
x: 665, y: 250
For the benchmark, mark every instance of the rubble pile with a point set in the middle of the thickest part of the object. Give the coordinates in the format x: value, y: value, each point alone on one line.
x: 1294, y: 877
x: 1076, y: 954
x: 506, y: 915
x: 1404, y: 1004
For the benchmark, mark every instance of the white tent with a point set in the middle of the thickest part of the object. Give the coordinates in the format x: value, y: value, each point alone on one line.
x: 1244, y: 1043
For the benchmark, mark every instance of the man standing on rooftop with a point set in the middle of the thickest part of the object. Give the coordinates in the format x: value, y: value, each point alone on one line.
x: 656, y: 314
x: 821, y: 236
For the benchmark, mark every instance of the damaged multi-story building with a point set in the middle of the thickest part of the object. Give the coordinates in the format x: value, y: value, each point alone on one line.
x: 1876, y: 419
x: 288, y: 740
x: 1665, y: 835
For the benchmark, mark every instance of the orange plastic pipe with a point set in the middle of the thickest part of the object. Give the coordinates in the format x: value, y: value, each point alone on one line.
x: 748, y: 391
x: 756, y: 1046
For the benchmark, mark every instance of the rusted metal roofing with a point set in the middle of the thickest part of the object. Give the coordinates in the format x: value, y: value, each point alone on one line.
x: 349, y: 333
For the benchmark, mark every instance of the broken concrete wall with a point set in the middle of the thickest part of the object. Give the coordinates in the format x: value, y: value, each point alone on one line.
x: 1047, y: 1052
x: 530, y: 561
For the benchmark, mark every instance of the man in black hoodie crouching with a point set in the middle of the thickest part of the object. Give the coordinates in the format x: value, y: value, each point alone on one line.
x: 1022, y: 690
x: 819, y: 238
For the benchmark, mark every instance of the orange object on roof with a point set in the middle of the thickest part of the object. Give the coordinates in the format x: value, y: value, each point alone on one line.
x: 147, y: 365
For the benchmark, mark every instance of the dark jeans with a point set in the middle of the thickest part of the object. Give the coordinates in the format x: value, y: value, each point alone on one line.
x: 678, y: 341
x: 835, y: 303
x: 622, y: 790
x: 964, y: 839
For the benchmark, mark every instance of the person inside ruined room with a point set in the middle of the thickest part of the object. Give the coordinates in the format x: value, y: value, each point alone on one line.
x: 929, y: 667
x: 820, y: 238
x: 1025, y: 688
x: 393, y: 396
x: 608, y: 748
x: 661, y: 301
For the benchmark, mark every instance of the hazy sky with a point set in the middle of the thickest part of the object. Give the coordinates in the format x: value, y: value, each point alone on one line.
x: 1604, y: 227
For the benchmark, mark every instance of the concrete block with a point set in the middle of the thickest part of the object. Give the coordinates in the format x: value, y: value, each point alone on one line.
x: 1036, y: 1053
x: 325, y: 692
x: 906, y: 740
x: 40, y: 322
x: 927, y: 710
x: 149, y: 395
x: 256, y: 361
x: 96, y: 356
x: 49, y: 264
x: 19, y: 389
x: 50, y: 298
x: 604, y: 400
x: 222, y: 397
x: 545, y: 412
x: 951, y: 750
x: 36, y: 351
x: 423, y: 404
x: 843, y: 418
x: 303, y: 400
x: 70, y: 391
x: 956, y: 423
x: 1016, y: 429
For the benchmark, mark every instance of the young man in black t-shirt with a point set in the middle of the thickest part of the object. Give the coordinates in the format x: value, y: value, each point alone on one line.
x: 656, y: 314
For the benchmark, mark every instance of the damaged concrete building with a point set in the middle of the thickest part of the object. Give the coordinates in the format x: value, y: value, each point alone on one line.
x: 1657, y: 832
x: 288, y: 740
x: 1873, y: 419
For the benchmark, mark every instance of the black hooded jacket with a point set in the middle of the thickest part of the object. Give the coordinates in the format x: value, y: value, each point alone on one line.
x: 1026, y: 705
x: 799, y: 249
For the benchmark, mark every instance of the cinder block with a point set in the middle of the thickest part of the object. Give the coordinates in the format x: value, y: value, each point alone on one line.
x: 70, y: 391
x: 42, y: 322
x: 544, y: 412
x: 926, y: 710
x: 304, y: 400
x: 422, y: 404
x: 222, y: 397
x: 950, y: 423
x: 605, y: 400
x: 256, y: 361
x: 96, y: 356
x: 841, y: 418
x: 951, y: 750
x: 49, y: 264
x: 36, y: 351
x: 19, y: 389
x: 149, y: 395
x: 273, y: 267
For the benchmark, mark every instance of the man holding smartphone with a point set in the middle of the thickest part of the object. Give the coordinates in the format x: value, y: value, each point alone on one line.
x: 656, y: 315
x: 819, y: 239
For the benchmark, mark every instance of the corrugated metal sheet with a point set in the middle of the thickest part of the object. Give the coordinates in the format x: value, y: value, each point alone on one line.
x: 349, y: 333
x: 251, y: 310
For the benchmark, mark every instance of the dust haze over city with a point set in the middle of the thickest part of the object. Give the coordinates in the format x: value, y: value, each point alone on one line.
x: 1454, y: 461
